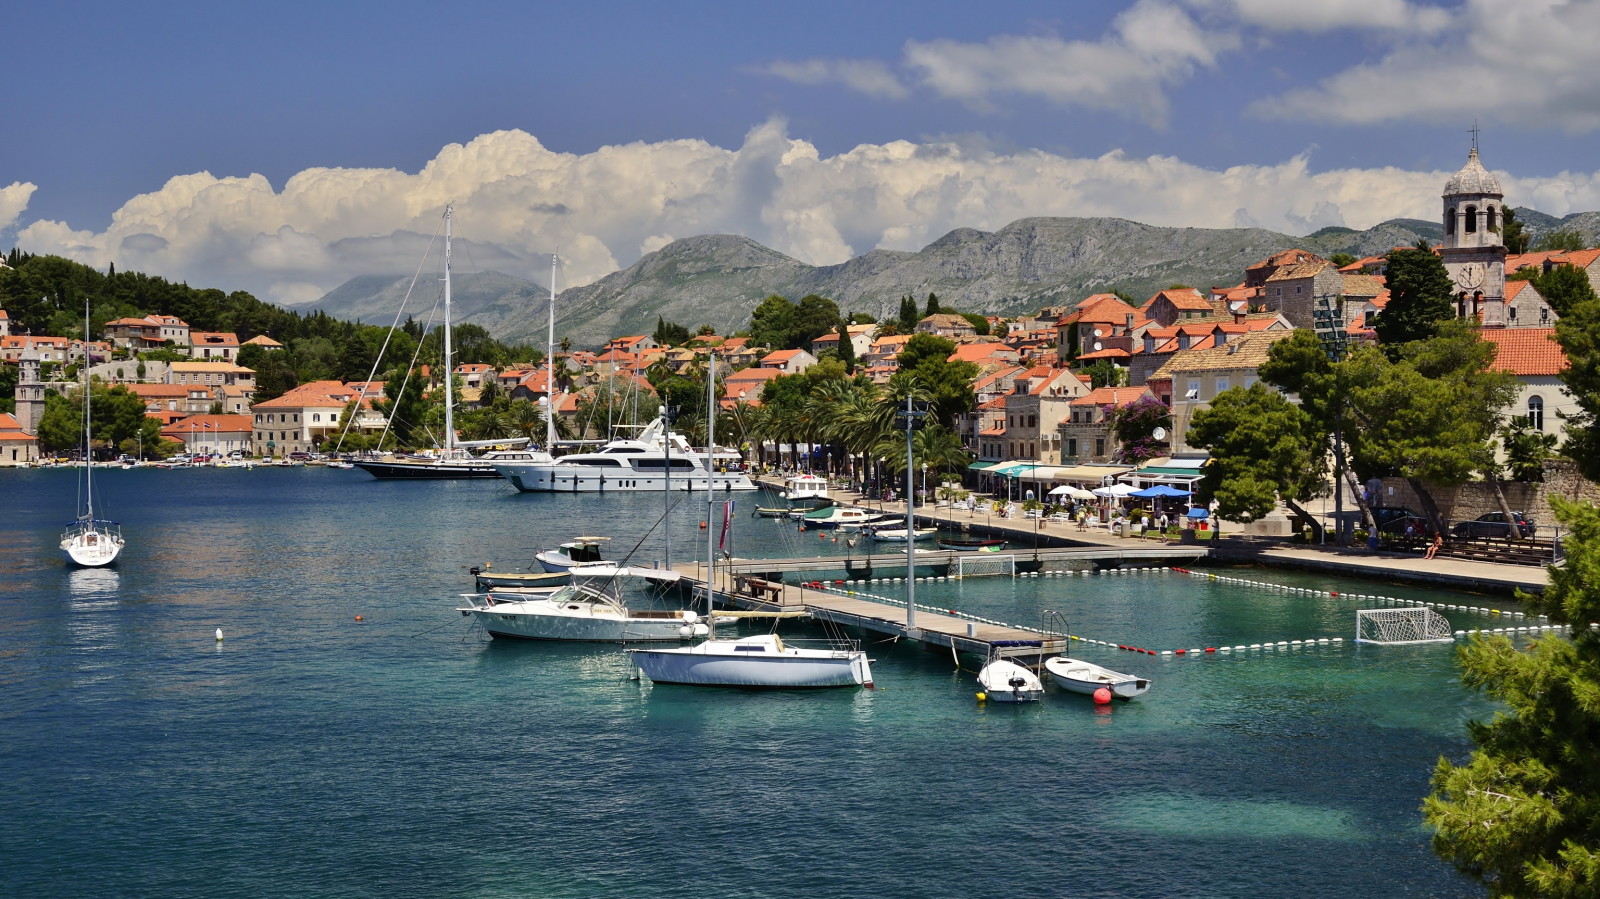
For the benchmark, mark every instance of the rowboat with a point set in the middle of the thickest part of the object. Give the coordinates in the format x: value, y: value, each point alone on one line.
x: 966, y: 544
x: 1086, y: 677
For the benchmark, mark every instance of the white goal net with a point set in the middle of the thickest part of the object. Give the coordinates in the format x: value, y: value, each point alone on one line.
x: 1398, y: 626
x: 980, y: 564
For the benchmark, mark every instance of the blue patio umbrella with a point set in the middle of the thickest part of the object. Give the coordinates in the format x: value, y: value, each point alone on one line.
x: 1199, y: 513
x: 1160, y: 490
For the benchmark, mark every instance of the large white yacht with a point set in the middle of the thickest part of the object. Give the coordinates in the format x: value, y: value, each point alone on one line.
x: 653, y: 460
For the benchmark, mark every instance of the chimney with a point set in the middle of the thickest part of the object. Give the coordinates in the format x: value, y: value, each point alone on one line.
x: 1129, y: 325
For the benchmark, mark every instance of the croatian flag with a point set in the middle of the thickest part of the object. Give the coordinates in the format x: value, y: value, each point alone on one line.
x: 727, y: 521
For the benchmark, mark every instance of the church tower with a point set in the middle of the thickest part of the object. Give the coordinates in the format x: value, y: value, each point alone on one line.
x: 30, y: 392
x: 1474, y: 251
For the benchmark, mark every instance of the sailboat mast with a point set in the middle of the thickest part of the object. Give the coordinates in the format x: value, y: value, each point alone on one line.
x: 88, y: 463
x: 449, y: 390
x: 550, y: 367
x: 711, y: 448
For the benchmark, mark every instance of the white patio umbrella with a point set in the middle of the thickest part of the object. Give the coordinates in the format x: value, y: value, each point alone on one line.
x: 1115, y: 490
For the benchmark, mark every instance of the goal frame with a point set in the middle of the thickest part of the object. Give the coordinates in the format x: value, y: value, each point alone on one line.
x: 1413, y: 625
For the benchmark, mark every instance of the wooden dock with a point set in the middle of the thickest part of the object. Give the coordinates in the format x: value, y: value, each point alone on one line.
x: 844, y: 607
x: 860, y: 565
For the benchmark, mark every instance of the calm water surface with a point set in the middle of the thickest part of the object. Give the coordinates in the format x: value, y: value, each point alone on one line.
x: 310, y: 754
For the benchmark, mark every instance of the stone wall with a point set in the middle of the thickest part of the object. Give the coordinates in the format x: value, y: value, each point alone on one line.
x: 1470, y: 500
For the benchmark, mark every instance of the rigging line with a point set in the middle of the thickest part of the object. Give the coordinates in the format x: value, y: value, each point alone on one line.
x: 410, y: 368
x: 389, y: 335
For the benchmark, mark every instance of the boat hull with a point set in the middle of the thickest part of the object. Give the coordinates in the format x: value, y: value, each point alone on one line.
x: 594, y: 479
x: 1006, y: 681
x: 519, y: 580
x: 88, y: 548
x: 754, y: 662
x: 428, y: 471
x: 1086, y: 677
x: 971, y: 545
x: 546, y: 618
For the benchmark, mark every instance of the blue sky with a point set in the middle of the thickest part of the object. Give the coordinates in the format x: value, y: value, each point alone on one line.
x: 283, y: 148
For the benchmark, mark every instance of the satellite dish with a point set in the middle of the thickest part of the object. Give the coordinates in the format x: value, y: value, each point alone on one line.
x: 1097, y: 333
x: 1159, y: 433
x: 1097, y: 346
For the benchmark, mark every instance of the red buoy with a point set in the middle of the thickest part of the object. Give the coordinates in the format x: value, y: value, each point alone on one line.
x: 1102, y: 696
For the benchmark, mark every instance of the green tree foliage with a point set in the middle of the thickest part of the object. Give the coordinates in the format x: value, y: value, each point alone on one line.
x: 8, y: 388
x: 403, y: 404
x: 1430, y: 416
x: 772, y: 322
x: 1565, y: 288
x: 1340, y: 260
x: 1419, y: 298
x: 1522, y: 814
x: 909, y: 316
x: 1578, y: 333
x: 1526, y: 450
x: 847, y: 349
x: 117, y: 416
x: 1512, y: 235
x: 1105, y: 373
x: 670, y: 333
x: 979, y: 323
x: 933, y: 307
x: 1563, y: 240
x: 814, y: 317
x: 925, y: 368
x: 1262, y: 447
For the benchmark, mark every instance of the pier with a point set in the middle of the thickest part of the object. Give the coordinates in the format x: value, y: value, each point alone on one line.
x: 840, y: 605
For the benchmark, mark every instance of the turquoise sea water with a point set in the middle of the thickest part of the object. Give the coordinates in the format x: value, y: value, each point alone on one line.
x: 309, y: 754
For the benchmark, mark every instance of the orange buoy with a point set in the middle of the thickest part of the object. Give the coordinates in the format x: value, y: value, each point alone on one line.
x: 702, y: 525
x: 1102, y: 696
x: 358, y: 618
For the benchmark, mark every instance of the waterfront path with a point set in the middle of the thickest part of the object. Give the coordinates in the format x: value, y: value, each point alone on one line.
x: 1232, y: 548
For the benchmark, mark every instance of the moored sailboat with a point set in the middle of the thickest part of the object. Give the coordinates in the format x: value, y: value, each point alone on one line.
x: 88, y: 541
x: 452, y: 461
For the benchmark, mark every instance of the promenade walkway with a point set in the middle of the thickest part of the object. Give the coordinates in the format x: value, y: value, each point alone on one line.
x: 1234, y: 548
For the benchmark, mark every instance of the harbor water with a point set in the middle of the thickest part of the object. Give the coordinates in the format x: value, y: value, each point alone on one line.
x: 352, y: 735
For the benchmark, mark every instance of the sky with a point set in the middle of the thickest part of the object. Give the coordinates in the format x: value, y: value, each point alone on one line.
x: 284, y: 148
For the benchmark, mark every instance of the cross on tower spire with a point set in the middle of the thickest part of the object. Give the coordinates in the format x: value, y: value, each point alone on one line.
x: 1474, y: 133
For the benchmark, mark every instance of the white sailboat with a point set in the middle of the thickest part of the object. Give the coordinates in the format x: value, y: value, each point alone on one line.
x: 88, y: 541
x: 452, y: 462
x: 759, y: 661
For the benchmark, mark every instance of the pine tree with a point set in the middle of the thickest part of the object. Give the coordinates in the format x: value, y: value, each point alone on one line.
x: 1522, y: 815
x: 1419, y: 298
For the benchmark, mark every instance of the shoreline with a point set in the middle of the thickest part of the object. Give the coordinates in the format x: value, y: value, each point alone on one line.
x: 1232, y: 549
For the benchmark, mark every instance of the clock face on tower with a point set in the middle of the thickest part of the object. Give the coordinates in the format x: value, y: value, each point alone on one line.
x: 1470, y: 276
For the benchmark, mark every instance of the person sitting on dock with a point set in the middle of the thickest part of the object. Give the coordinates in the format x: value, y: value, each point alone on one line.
x: 1438, y: 541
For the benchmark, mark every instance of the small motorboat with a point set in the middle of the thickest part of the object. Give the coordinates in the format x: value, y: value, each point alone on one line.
x: 487, y: 579
x: 1003, y: 680
x: 898, y: 535
x: 575, y: 553
x: 974, y: 544
x: 843, y: 517
x: 770, y: 512
x: 1086, y: 677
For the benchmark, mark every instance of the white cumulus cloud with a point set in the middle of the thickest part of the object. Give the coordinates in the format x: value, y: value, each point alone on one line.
x: 517, y: 201
x: 13, y: 201
x: 1510, y: 64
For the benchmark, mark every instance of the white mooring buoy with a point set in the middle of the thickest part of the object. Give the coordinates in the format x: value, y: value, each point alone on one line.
x: 219, y: 635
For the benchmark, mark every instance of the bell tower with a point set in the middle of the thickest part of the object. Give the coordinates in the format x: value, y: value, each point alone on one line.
x: 1474, y: 251
x: 30, y: 392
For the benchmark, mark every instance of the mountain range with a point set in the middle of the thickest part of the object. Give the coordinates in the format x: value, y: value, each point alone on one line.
x: 719, y: 279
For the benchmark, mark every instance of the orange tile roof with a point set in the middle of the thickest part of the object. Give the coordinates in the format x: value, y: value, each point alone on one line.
x: 1529, y: 352
x: 1111, y: 396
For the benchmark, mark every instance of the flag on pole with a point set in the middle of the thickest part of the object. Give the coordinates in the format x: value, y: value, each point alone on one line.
x: 727, y: 521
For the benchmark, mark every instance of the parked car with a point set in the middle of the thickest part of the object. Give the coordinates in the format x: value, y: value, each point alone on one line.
x: 300, y: 456
x: 1409, y: 524
x: 1494, y: 524
x: 1389, y: 519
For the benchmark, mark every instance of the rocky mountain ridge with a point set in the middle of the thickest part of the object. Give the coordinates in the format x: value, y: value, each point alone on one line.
x: 719, y: 279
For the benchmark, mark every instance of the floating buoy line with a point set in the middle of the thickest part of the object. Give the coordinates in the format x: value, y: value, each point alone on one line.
x: 844, y: 588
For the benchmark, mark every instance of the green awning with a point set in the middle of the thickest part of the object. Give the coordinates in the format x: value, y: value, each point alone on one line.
x: 1162, y: 471
x: 1010, y: 469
